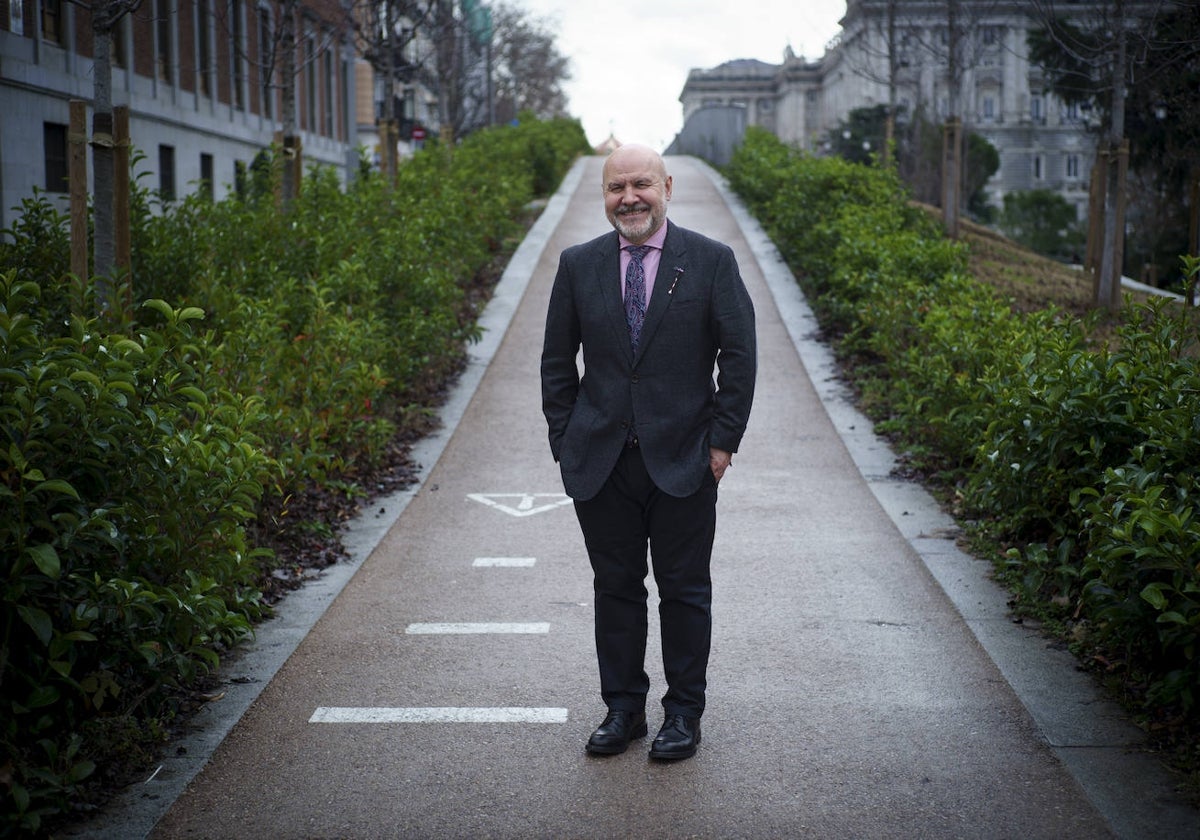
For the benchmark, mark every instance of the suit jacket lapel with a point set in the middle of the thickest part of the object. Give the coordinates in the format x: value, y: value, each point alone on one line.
x: 608, y: 278
x: 673, y: 262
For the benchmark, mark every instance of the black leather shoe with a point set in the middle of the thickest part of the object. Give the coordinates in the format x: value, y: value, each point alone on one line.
x: 678, y: 738
x: 618, y: 729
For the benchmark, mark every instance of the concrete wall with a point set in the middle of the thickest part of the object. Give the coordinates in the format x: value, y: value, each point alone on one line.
x: 711, y: 133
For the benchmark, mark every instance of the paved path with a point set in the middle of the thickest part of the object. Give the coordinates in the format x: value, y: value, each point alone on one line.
x: 864, y: 679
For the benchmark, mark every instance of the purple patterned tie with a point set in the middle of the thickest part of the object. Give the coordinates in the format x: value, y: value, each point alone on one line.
x: 635, y: 292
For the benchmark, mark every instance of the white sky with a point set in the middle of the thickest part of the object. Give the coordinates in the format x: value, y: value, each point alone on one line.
x: 630, y: 58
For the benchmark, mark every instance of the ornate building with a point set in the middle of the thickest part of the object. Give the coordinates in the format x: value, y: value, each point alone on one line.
x: 1043, y: 143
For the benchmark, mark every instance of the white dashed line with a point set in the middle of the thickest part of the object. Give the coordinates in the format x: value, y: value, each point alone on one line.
x: 523, y: 562
x: 461, y: 628
x: 327, y: 714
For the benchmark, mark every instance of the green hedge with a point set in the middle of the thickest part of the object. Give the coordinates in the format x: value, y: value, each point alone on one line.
x: 1085, y: 459
x: 136, y: 458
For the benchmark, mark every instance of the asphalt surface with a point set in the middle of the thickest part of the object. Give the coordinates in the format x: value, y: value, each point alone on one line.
x: 865, y: 682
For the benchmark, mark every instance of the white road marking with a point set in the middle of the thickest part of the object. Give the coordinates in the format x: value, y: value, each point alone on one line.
x: 463, y: 627
x: 505, y: 561
x: 521, y: 504
x: 326, y: 714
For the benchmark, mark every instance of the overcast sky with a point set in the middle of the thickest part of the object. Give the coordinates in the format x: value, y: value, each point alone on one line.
x: 630, y: 58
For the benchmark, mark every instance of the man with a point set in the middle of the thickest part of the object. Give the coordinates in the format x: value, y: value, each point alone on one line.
x: 644, y: 435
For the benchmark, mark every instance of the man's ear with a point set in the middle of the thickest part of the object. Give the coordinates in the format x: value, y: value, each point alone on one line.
x: 667, y: 183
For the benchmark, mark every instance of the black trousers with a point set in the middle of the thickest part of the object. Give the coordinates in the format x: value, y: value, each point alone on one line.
x: 628, y: 515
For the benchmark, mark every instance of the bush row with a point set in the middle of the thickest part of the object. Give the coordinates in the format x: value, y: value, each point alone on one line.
x: 136, y: 459
x: 1081, y: 454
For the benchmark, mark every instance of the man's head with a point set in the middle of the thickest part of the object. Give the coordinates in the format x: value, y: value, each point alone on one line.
x: 636, y: 191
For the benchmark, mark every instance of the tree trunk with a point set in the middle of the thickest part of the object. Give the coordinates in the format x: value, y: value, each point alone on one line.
x: 1108, y: 282
x: 888, y: 157
x: 289, y: 186
x: 388, y: 130
x: 952, y: 146
x: 102, y: 160
x: 447, y: 71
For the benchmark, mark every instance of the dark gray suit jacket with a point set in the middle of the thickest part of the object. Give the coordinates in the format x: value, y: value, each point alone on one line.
x: 699, y: 314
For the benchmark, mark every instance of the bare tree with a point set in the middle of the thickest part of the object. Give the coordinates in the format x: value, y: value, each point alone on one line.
x: 528, y: 70
x: 877, y: 56
x: 277, y: 65
x: 1089, y: 57
x: 896, y: 42
x: 956, y: 46
x: 289, y: 187
x: 385, y: 31
x: 105, y: 16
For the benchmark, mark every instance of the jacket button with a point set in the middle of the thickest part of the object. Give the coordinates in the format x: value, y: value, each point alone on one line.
x: 635, y: 379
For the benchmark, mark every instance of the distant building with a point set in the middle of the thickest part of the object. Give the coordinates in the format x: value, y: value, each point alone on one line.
x: 609, y: 146
x: 200, y: 77
x: 1043, y: 143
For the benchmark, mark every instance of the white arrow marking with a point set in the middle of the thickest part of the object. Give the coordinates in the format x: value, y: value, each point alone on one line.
x: 525, y: 504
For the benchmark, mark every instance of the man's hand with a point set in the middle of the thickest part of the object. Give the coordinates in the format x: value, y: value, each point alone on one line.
x: 718, y: 461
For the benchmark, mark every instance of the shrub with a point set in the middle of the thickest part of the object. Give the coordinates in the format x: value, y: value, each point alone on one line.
x: 128, y: 478
x: 1081, y: 457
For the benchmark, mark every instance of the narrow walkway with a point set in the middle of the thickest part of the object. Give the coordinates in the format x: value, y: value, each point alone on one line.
x: 865, y: 682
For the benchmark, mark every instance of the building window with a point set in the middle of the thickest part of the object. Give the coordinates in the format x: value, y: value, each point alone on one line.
x: 206, y: 175
x: 238, y: 51
x: 344, y: 100
x: 119, y: 40
x: 1038, y: 168
x: 328, y: 79
x: 166, y: 172
x: 1072, y: 112
x: 989, y: 108
x: 54, y: 144
x: 310, y: 84
x: 240, y: 179
x: 1072, y: 166
x: 989, y: 34
x: 52, y: 22
x: 1035, y: 109
x: 163, y: 55
x: 16, y: 17
x: 266, y: 62
x: 203, y: 49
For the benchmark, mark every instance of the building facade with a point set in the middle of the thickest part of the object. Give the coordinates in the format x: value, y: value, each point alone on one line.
x: 202, y: 79
x: 992, y: 86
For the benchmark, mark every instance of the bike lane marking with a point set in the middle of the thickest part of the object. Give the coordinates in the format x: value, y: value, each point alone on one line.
x: 438, y: 714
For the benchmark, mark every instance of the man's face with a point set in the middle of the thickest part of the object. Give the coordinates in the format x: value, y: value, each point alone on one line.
x: 636, y: 192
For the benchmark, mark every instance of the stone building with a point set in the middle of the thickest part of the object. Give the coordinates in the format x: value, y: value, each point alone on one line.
x: 1043, y: 143
x: 200, y: 77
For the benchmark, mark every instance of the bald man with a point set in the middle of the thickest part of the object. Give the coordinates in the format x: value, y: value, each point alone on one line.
x: 644, y: 436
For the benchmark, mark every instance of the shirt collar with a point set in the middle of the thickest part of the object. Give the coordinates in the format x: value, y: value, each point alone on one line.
x: 655, y: 241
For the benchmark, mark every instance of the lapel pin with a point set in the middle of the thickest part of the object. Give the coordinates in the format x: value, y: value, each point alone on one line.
x: 675, y: 280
